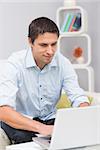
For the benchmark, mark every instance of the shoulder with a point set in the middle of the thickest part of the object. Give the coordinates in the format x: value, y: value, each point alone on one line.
x: 62, y: 59
x: 14, y: 64
x: 64, y: 64
x: 17, y: 58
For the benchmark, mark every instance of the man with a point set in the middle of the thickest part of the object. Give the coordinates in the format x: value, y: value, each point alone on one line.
x: 31, y: 84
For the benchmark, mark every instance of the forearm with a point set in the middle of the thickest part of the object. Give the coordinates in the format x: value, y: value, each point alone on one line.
x: 17, y: 120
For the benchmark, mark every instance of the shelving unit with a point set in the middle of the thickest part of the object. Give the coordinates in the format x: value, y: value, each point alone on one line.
x: 61, y: 15
x: 71, y: 39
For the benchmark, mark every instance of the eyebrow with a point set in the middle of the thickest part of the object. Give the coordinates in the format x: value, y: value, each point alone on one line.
x: 41, y: 44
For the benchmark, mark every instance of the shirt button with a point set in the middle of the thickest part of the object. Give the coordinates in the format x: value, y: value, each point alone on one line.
x: 41, y: 98
x: 40, y: 85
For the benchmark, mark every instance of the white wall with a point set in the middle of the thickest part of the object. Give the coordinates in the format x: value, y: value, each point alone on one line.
x: 14, y: 20
x: 15, y: 16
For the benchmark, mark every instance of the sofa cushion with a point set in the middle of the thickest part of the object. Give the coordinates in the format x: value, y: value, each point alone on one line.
x: 4, y: 141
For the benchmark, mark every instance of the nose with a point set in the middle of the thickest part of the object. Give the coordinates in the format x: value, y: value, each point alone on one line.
x: 50, y: 50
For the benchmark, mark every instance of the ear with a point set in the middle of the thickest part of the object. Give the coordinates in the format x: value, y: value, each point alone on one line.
x: 30, y: 41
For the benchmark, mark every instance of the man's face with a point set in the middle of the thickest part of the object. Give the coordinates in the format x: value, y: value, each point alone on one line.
x: 44, y: 48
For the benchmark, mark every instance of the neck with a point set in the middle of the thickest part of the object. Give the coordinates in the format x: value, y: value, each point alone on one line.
x: 40, y: 64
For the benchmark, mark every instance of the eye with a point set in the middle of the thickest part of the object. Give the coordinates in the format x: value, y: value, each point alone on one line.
x: 54, y: 44
x: 43, y: 45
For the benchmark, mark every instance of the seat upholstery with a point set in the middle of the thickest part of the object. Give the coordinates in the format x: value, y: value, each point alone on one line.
x: 4, y: 141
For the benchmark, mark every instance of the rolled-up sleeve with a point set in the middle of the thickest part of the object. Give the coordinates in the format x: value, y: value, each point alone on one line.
x: 8, y: 84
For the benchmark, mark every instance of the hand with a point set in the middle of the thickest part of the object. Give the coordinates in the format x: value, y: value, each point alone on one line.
x: 46, y: 129
x: 84, y: 104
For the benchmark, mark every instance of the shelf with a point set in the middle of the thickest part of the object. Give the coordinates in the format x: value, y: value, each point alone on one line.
x: 67, y: 45
x: 61, y: 15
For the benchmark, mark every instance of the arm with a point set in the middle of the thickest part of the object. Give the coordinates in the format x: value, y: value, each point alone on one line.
x: 9, y: 84
x: 16, y: 120
x: 71, y: 86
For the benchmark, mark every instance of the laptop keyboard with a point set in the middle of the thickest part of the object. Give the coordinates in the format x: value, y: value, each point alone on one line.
x: 43, y: 141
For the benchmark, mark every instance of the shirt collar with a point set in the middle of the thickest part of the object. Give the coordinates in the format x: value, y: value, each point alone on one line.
x: 30, y: 62
x: 53, y: 63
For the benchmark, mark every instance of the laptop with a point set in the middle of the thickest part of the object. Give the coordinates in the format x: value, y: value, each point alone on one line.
x: 74, y: 127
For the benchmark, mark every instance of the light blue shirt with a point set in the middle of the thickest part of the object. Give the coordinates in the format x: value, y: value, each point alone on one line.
x: 35, y: 92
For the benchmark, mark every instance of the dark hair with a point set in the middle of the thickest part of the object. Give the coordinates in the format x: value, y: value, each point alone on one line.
x: 42, y: 25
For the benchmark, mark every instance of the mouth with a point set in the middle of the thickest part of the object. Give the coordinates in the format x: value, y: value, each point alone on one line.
x: 48, y: 57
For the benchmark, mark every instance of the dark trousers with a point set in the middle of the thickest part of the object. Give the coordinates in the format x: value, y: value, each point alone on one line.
x: 17, y: 136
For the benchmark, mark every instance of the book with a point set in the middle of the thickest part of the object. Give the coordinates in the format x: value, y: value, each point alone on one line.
x: 77, y: 23
x: 68, y: 23
x: 64, y: 23
x: 71, y: 22
x: 71, y: 25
